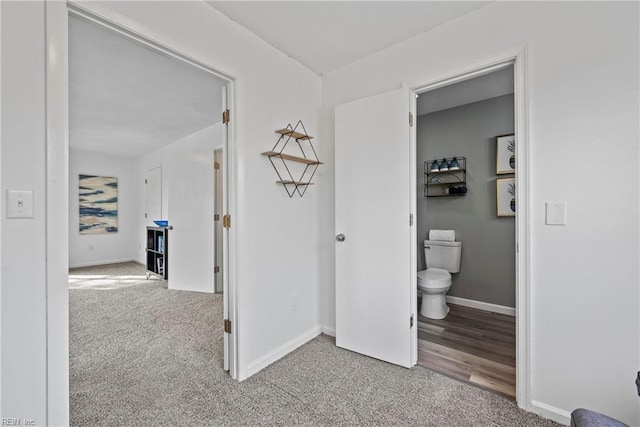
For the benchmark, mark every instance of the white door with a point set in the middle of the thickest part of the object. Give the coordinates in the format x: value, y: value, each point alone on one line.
x: 190, y: 213
x: 217, y: 209
x: 153, y: 195
x: 375, y: 185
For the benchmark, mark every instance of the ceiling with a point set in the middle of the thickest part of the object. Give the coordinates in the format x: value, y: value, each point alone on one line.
x: 477, y: 89
x: 325, y: 36
x: 126, y: 99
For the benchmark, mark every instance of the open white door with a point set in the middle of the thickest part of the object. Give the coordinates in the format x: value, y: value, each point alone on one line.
x: 375, y: 185
x: 217, y: 209
x: 190, y: 214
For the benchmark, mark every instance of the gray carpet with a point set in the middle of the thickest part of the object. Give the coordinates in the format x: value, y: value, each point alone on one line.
x: 144, y: 355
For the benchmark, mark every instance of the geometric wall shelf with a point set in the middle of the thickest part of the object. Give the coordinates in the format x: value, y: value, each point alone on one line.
x: 294, y: 159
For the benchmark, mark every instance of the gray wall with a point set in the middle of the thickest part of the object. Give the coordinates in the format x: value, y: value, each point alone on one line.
x: 487, y: 270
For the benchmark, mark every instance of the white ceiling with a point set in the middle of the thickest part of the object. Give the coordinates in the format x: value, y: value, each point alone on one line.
x: 477, y: 89
x: 126, y: 99
x: 325, y: 36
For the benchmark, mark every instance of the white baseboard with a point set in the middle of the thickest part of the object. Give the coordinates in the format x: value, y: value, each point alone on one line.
x: 486, y: 306
x: 111, y: 261
x: 551, y: 412
x: 328, y: 331
x: 266, y: 360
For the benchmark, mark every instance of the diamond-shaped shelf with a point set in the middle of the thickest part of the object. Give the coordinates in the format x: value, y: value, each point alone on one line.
x: 304, y: 156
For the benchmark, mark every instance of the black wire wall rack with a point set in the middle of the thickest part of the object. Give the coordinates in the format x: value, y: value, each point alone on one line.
x: 440, y: 182
x: 300, y: 160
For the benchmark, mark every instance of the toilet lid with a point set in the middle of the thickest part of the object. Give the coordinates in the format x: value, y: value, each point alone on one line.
x: 434, y: 278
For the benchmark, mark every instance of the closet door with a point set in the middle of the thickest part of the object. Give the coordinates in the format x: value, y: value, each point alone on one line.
x: 190, y: 213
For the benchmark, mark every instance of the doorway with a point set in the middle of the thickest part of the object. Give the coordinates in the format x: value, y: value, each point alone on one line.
x: 516, y: 59
x: 57, y: 18
x: 465, y: 137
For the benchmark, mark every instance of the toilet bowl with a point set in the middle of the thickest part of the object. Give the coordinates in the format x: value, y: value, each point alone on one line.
x: 434, y: 284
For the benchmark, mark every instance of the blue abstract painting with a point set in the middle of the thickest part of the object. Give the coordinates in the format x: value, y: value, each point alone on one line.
x: 98, y: 204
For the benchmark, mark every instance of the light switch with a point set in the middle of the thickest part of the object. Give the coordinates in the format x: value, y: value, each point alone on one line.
x: 556, y: 213
x: 19, y: 204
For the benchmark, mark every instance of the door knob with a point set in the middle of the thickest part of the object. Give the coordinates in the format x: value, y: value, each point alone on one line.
x: 340, y: 237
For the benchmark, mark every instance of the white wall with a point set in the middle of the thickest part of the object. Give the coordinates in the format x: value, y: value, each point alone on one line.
x: 276, y: 236
x: 179, y: 161
x: 583, y: 99
x: 23, y: 311
x: 95, y: 249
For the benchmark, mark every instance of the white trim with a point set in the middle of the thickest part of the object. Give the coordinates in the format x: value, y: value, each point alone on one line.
x: 480, y: 68
x: 518, y: 57
x: 481, y: 305
x: 413, y: 211
x: 499, y: 65
x: 266, y: 360
x: 230, y: 267
x: 57, y: 212
x: 112, y: 25
x: 328, y: 331
x: 523, y: 231
x: 1, y: 210
x: 105, y: 262
x: 551, y: 412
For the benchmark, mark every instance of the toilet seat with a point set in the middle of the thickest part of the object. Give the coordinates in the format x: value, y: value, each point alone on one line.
x: 434, y: 278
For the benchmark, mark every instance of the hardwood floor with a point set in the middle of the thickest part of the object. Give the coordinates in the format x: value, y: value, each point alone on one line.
x: 472, y: 345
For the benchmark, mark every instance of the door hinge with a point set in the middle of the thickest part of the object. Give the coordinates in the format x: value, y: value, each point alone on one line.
x: 411, y: 322
x: 145, y: 181
x: 226, y: 221
x: 227, y: 326
x: 216, y: 269
x: 411, y: 220
x: 216, y: 217
x: 410, y: 119
x: 226, y: 117
x: 216, y: 165
x: 145, y: 215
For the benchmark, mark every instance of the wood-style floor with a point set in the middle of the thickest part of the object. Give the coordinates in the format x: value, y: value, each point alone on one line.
x: 472, y: 345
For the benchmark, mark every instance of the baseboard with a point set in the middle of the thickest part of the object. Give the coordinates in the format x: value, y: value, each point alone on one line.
x: 111, y: 261
x: 266, y: 360
x: 328, y: 331
x: 551, y: 412
x: 486, y: 306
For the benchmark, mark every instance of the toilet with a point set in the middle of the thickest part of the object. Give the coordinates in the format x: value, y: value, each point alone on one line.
x: 442, y: 259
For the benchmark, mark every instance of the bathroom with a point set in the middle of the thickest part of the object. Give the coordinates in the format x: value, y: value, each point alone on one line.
x: 473, y: 123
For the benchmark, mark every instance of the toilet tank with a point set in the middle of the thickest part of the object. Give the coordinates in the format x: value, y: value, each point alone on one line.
x: 445, y: 255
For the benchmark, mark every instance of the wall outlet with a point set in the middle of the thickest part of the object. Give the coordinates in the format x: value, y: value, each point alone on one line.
x: 295, y: 302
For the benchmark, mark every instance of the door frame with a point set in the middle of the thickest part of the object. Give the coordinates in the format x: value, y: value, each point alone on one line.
x: 517, y: 58
x: 57, y: 187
